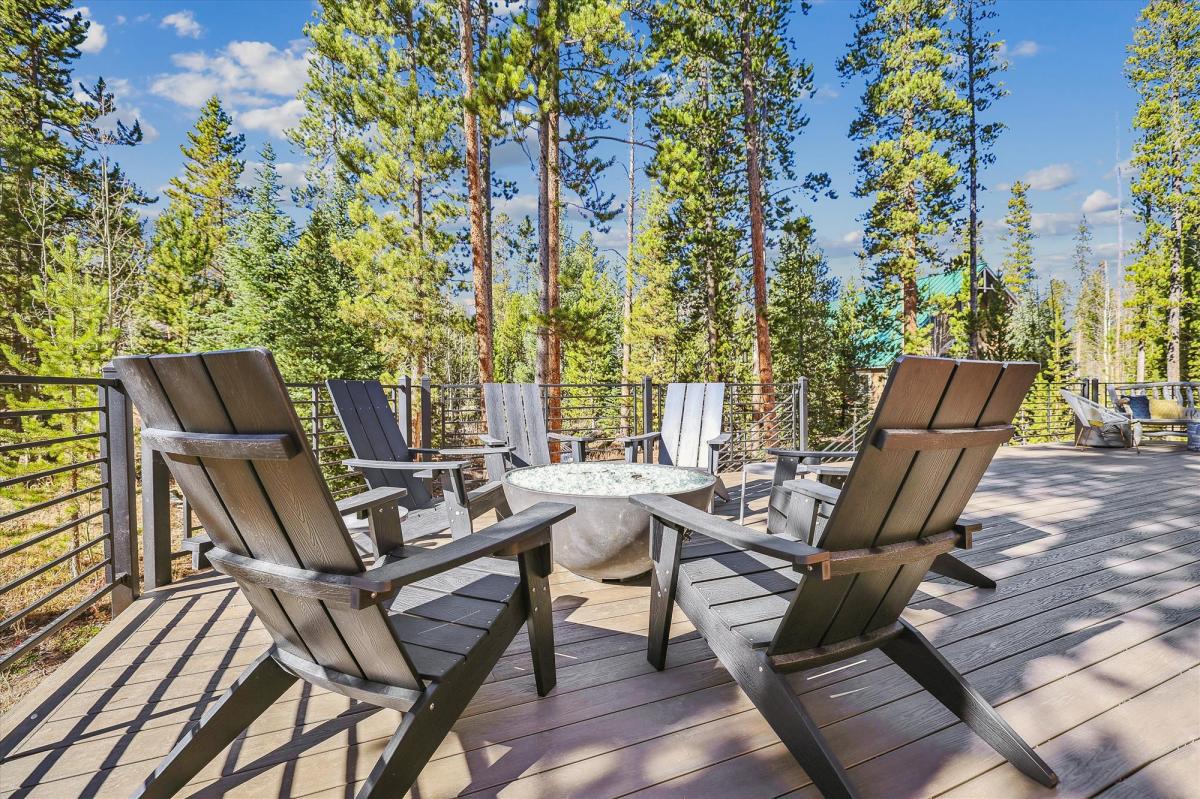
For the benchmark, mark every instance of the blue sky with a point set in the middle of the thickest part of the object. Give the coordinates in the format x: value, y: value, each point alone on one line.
x: 1068, y: 105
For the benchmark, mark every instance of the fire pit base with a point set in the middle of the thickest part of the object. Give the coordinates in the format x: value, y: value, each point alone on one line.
x: 607, y: 538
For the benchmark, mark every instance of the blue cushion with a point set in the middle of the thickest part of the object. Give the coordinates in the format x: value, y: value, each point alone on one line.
x: 1139, y: 406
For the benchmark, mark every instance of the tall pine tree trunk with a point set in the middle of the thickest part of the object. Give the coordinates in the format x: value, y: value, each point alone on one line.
x: 480, y: 267
x: 627, y: 300
x: 758, y: 245
x: 973, y: 202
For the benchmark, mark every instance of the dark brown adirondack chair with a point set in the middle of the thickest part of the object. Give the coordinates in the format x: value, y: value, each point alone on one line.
x: 515, y: 419
x: 691, y: 434
x: 773, y: 604
x: 386, y: 461
x: 417, y: 632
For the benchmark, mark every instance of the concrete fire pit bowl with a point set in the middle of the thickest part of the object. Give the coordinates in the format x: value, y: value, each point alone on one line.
x: 607, y: 538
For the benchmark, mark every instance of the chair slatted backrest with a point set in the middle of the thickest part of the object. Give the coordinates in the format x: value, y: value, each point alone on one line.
x: 277, y: 510
x: 514, y: 413
x: 374, y: 434
x: 898, y: 494
x: 691, y: 418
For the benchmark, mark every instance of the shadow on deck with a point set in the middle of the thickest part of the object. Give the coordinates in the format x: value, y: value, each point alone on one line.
x: 1089, y: 647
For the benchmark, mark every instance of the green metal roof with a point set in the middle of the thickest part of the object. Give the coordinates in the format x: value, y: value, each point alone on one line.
x: 887, y: 344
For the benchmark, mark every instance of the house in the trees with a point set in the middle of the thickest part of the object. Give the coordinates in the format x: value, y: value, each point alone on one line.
x: 944, y: 296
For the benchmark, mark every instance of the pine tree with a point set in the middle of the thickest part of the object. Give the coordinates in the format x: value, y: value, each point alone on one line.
x: 38, y: 154
x: 178, y: 299
x: 314, y: 338
x: 1018, y: 276
x: 589, y: 319
x: 1081, y: 259
x: 803, y: 302
x: 655, y: 333
x: 907, y: 121
x: 1059, y: 364
x: 1164, y: 68
x: 977, y: 49
x: 257, y: 264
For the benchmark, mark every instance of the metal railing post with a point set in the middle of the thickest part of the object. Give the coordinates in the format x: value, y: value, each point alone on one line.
x: 426, y: 414
x: 117, y: 469
x: 801, y: 413
x: 156, y: 519
x: 647, y: 405
x: 314, y: 393
x: 404, y: 408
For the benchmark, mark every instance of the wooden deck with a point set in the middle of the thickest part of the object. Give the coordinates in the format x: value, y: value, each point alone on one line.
x: 1089, y: 647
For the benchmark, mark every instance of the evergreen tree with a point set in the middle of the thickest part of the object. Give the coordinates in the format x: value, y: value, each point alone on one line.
x: 314, y: 338
x: 1058, y: 366
x: 656, y: 346
x: 907, y: 121
x: 212, y: 168
x: 1164, y: 68
x: 257, y: 264
x: 40, y: 119
x: 1082, y: 261
x: 179, y: 297
x: 1011, y: 323
x: 977, y: 49
x: 589, y: 318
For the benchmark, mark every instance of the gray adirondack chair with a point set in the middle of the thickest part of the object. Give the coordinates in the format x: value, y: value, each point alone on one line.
x: 516, y: 419
x: 691, y: 434
x: 386, y: 461
x: 773, y: 604
x: 418, y: 631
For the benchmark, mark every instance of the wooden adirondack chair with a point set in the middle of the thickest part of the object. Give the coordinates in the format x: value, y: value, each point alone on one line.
x: 515, y: 419
x: 773, y: 604
x: 417, y: 632
x: 386, y: 461
x: 691, y: 434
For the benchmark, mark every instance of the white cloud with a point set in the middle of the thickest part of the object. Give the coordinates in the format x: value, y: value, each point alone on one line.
x: 275, y: 119
x: 1099, y: 200
x: 121, y: 19
x: 825, y: 93
x: 184, y: 23
x: 1063, y: 222
x: 250, y: 77
x: 1051, y: 177
x: 1026, y: 48
x: 291, y: 174
x: 97, y: 36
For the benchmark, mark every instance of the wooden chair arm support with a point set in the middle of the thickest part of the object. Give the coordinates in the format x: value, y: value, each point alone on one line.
x: 674, y: 513
x: 524, y: 530
x: 521, y: 531
x: 370, y: 500
x: 495, y: 449
x: 804, y: 454
x: 965, y: 529
x: 720, y: 441
x: 405, y: 466
x: 813, y: 489
x: 565, y: 437
x: 641, y: 437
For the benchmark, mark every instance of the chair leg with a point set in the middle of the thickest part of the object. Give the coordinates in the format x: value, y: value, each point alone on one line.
x: 422, y: 730
x: 955, y: 569
x: 779, y: 705
x: 913, y: 653
x: 666, y: 544
x: 255, y: 690
x: 535, y: 565
x: 742, y: 499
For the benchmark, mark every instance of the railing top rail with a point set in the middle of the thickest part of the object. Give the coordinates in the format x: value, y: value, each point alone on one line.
x: 50, y: 380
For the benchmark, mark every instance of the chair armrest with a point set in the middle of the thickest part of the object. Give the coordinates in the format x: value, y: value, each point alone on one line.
x: 676, y: 514
x: 813, y: 489
x: 720, y: 441
x: 371, y: 499
x: 565, y: 437
x: 471, y: 451
x: 405, y: 466
x: 424, y: 450
x: 521, y: 531
x: 804, y: 454
x: 642, y: 437
x: 491, y: 441
x: 966, y: 527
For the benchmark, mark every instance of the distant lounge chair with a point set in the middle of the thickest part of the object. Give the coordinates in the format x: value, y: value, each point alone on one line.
x: 772, y: 604
x: 232, y: 441
x: 691, y: 434
x: 1100, y: 427
x: 516, y: 419
x: 386, y: 461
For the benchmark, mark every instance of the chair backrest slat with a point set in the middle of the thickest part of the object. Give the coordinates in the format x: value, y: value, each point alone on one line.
x: 514, y: 414
x: 691, y: 418
x: 896, y: 495
x: 280, y: 510
x: 374, y: 434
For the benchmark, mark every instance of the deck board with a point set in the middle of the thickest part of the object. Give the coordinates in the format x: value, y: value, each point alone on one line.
x: 1090, y: 647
